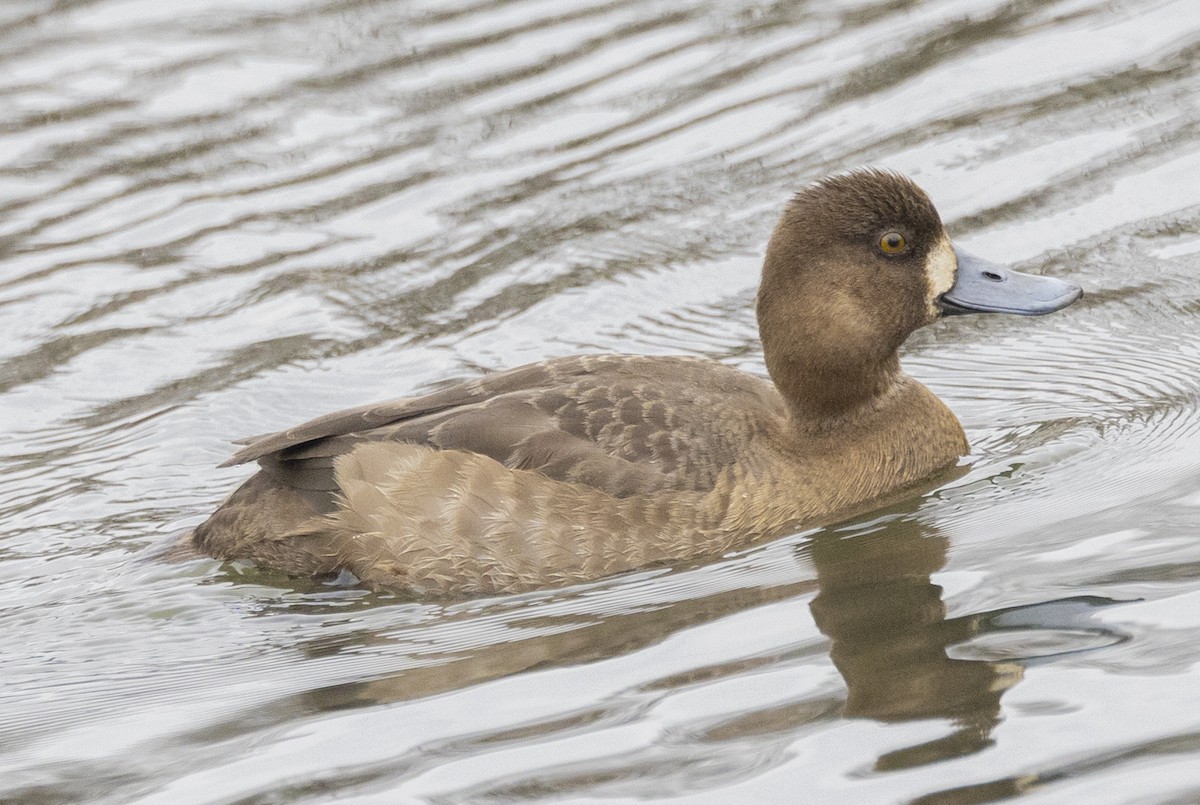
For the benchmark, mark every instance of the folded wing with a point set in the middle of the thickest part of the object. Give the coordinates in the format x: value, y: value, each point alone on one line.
x: 625, y: 425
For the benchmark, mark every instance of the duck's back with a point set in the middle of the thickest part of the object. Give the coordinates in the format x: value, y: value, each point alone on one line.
x: 621, y: 424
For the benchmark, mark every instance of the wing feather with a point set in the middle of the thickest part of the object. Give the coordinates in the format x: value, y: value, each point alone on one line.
x: 622, y: 424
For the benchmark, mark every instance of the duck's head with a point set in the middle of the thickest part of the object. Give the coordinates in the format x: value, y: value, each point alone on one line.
x: 857, y: 263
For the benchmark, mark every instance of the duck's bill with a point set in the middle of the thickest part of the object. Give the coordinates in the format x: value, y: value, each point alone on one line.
x: 983, y: 287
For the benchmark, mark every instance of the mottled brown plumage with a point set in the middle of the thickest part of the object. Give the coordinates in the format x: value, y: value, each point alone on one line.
x: 576, y: 468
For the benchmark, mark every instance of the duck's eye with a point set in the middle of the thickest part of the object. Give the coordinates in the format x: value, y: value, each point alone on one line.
x: 893, y: 243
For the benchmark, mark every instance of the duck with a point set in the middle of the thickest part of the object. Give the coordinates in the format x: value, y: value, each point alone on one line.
x: 577, y: 468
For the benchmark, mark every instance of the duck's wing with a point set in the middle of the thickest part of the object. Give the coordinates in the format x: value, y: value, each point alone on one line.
x: 623, y: 424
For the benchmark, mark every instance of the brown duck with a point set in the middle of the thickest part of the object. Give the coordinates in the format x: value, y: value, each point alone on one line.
x: 576, y: 468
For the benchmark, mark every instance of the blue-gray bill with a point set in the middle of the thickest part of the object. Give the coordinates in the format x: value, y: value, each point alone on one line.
x: 983, y: 287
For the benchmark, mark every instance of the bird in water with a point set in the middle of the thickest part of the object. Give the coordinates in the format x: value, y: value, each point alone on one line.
x: 576, y: 468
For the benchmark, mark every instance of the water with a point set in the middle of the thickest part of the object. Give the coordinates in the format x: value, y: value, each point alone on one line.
x: 221, y: 218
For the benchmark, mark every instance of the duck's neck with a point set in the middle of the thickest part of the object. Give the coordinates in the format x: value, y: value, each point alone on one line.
x: 821, y: 393
x: 828, y: 363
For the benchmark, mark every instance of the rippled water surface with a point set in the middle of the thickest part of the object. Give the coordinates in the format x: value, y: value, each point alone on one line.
x: 219, y: 218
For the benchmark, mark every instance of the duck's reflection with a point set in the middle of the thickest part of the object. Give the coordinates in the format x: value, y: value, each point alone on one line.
x: 892, y: 641
x: 888, y: 625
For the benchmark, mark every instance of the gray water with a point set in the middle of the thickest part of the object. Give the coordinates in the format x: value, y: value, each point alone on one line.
x: 222, y: 218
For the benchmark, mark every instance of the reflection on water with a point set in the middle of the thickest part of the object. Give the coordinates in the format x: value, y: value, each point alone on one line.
x: 889, y: 631
x: 218, y: 218
x: 893, y: 644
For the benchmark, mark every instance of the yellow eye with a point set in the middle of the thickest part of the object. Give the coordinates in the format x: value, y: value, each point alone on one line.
x: 893, y: 243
